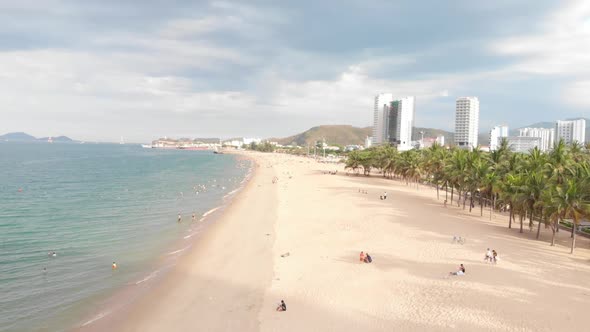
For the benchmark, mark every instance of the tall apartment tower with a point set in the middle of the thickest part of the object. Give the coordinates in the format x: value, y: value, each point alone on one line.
x: 496, y: 134
x: 467, y: 122
x: 400, y: 122
x: 571, y: 131
x: 547, y: 136
x: 381, y: 112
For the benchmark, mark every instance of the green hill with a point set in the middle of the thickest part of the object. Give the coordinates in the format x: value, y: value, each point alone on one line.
x: 333, y: 134
x: 349, y: 135
x: 431, y: 132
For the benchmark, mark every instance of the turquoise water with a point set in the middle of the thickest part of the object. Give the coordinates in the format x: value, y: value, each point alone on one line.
x: 94, y: 204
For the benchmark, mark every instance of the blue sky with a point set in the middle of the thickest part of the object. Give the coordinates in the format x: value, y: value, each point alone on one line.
x: 98, y: 70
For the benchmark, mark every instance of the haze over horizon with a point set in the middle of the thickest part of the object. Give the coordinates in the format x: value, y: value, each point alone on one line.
x: 101, y: 70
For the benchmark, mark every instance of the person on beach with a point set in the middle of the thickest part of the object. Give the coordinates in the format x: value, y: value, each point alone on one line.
x: 445, y: 203
x: 488, y: 257
x: 114, y: 266
x: 460, y: 271
x: 385, y: 195
x: 362, y: 257
x: 368, y: 258
x: 494, y: 256
x: 282, y: 306
x: 194, y: 217
x: 179, y: 217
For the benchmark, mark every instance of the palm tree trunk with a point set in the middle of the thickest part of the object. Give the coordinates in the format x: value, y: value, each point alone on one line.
x: 446, y: 190
x: 480, y: 205
x: 531, y: 213
x: 464, y: 199
x: 510, y: 215
x: 574, y: 223
x: 437, y: 196
x: 452, y: 192
x: 553, y: 235
x: 539, y: 227
x: 521, y: 217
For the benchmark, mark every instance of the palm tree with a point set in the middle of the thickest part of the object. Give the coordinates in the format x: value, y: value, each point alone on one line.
x: 572, y: 200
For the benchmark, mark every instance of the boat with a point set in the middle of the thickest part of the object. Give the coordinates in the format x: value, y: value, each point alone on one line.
x: 146, y: 146
x: 50, y: 140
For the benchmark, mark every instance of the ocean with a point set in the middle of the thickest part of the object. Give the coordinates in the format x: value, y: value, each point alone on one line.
x: 95, y: 204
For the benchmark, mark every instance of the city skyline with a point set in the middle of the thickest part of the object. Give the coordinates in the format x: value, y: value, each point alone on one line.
x: 100, y: 70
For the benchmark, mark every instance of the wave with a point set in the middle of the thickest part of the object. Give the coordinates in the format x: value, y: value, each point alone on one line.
x: 179, y: 250
x: 210, y: 211
x: 150, y: 276
x: 97, y: 317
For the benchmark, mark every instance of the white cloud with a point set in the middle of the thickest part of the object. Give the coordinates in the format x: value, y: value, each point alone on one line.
x: 577, y: 94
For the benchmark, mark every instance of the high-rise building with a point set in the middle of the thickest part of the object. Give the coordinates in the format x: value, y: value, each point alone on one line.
x: 496, y: 135
x: 381, y: 112
x: 467, y: 122
x: 547, y: 136
x: 440, y: 140
x: 522, y: 143
x: 400, y: 122
x: 571, y: 131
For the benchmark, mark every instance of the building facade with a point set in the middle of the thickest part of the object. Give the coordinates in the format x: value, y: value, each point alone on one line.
x: 466, y: 122
x: 522, y: 143
x: 496, y: 135
x: 571, y: 131
x: 380, y: 113
x: 547, y: 136
x: 400, y: 122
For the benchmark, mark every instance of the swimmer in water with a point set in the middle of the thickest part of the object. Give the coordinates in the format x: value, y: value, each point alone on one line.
x: 52, y: 254
x: 193, y: 217
x: 114, y: 266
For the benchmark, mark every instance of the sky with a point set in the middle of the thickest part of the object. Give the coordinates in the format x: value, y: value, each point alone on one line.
x: 99, y: 70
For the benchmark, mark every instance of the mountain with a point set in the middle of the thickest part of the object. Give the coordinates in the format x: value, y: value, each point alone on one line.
x: 57, y: 139
x: 333, y: 134
x: 20, y: 136
x: 349, y: 135
x: 431, y: 132
x: 24, y: 137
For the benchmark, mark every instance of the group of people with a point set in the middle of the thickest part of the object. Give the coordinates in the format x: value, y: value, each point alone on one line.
x: 384, y: 196
x: 362, y: 191
x: 365, y: 257
x: 52, y: 254
x: 491, y: 256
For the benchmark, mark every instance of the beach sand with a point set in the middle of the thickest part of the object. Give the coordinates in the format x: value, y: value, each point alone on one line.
x: 233, y: 278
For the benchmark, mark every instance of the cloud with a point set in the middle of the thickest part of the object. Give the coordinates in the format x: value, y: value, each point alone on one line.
x: 228, y: 68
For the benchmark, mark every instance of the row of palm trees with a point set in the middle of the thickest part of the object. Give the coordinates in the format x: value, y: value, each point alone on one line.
x: 549, y: 188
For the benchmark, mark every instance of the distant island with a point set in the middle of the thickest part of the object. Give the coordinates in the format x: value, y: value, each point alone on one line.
x: 24, y: 137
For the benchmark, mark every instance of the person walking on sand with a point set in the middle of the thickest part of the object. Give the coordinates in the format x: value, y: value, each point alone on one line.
x: 362, y: 257
x: 488, y: 257
x: 494, y: 256
x: 179, y: 217
x: 385, y: 195
x: 194, y: 217
x: 114, y: 266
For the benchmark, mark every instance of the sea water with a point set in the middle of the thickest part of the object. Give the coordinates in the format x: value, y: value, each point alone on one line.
x: 95, y: 204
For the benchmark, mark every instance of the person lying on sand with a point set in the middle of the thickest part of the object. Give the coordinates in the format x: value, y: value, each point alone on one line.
x: 460, y: 271
x: 282, y: 306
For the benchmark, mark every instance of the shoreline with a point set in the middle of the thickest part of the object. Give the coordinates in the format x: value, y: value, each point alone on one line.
x: 174, y: 283
x: 114, y: 305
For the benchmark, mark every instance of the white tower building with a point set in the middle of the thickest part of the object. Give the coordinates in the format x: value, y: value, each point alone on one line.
x: 547, y: 136
x: 496, y: 134
x: 400, y: 122
x: 571, y: 131
x: 467, y: 122
x: 381, y: 110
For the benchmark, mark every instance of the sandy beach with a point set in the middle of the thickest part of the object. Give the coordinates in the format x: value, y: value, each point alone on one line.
x: 299, y: 240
